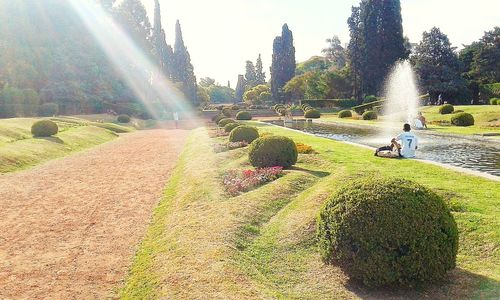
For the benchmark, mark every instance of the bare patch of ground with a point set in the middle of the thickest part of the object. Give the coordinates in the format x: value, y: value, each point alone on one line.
x: 70, y: 227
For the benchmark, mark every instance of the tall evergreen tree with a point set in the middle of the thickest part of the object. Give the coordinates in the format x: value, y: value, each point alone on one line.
x: 283, y: 64
x: 240, y: 88
x: 250, y: 75
x: 355, y: 51
x: 335, y: 53
x: 259, y: 71
x: 162, y: 51
x: 377, y: 42
x: 437, y: 66
x: 183, y: 70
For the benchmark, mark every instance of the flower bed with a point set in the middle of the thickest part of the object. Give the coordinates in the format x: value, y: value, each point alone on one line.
x: 237, y: 182
x: 304, y: 149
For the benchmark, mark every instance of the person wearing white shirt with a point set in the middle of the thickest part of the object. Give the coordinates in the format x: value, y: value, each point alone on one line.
x: 408, y: 141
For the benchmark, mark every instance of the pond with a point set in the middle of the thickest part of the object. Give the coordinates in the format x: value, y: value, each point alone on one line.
x: 483, y: 156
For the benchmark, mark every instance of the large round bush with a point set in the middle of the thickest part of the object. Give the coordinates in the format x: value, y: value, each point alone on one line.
x: 388, y: 232
x: 44, y: 128
x: 243, y: 115
x: 312, y: 114
x: 244, y: 133
x: 229, y: 127
x: 123, y: 119
x: 446, y: 109
x: 370, y: 115
x: 345, y: 114
x: 217, y: 118
x: 225, y: 121
x: 272, y: 151
x: 462, y: 119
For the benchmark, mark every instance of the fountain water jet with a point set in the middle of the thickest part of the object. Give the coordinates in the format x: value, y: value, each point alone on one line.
x: 401, y: 95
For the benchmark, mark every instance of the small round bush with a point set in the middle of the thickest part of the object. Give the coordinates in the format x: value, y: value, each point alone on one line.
x: 48, y: 109
x: 225, y: 121
x: 272, y: 151
x: 243, y: 115
x: 226, y: 111
x: 229, y: 127
x: 370, y: 115
x: 217, y: 118
x: 446, y: 109
x: 312, y: 114
x: 244, y: 133
x: 494, y: 101
x: 44, y: 128
x: 462, y: 119
x: 370, y: 98
x: 345, y: 114
x: 123, y: 119
x: 387, y: 232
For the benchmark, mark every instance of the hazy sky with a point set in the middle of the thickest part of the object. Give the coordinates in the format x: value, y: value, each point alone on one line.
x: 222, y: 34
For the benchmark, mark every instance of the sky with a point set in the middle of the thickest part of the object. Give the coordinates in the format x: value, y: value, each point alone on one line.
x: 221, y: 35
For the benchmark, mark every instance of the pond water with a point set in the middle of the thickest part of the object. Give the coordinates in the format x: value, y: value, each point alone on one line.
x: 483, y: 156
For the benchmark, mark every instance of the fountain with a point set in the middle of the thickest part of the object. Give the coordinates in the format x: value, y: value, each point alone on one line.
x: 402, y: 96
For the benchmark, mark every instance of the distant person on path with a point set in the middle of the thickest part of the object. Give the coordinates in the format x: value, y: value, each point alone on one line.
x: 176, y: 119
x: 408, y: 141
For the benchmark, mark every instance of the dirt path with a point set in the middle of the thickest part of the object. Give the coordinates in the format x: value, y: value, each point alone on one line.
x: 69, y: 228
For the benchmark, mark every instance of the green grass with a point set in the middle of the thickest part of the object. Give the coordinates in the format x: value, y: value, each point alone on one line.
x: 19, y: 150
x: 487, y: 120
x: 203, y: 243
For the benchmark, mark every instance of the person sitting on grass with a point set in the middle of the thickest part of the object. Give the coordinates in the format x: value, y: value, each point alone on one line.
x: 420, y: 122
x: 408, y: 141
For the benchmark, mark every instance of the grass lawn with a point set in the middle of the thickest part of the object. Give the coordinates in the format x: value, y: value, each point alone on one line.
x: 19, y: 150
x: 487, y: 120
x: 204, y: 244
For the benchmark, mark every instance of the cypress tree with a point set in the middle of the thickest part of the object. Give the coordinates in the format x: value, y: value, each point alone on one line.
x: 240, y: 88
x: 355, y: 52
x: 283, y: 64
x: 382, y: 35
x: 259, y: 72
x: 250, y: 75
x: 183, y: 70
x: 162, y: 51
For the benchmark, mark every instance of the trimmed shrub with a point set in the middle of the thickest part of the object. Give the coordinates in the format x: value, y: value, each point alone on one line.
x: 48, y: 110
x: 243, y: 115
x: 312, y: 114
x: 225, y: 121
x: 123, y: 119
x: 217, y: 118
x: 229, y: 127
x: 226, y: 111
x: 370, y: 99
x: 446, y: 109
x: 387, y: 232
x: 369, y: 115
x: 462, y: 119
x: 494, y: 101
x: 273, y: 151
x: 44, y: 128
x: 244, y: 133
x: 345, y: 114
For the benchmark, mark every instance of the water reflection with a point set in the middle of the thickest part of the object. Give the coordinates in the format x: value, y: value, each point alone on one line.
x: 465, y: 153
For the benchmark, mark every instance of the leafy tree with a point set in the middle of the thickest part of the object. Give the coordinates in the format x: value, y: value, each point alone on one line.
x: 258, y: 95
x: 207, y: 82
x: 296, y: 87
x: 221, y: 94
x: 183, y: 70
x: 203, y: 95
x: 132, y: 16
x: 283, y: 64
x: 335, y: 53
x: 315, y: 63
x: 437, y: 66
x: 250, y: 75
x: 259, y: 72
x: 339, y: 83
x: 240, y: 88
x: 316, y: 87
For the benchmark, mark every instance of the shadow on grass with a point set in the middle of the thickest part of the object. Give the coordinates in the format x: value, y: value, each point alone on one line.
x: 460, y: 284
x: 316, y: 173
x: 53, y: 139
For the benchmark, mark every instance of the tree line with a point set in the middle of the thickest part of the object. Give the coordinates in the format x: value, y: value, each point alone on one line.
x: 48, y: 56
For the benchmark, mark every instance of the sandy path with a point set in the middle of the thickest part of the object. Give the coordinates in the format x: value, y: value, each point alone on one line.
x: 69, y: 228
